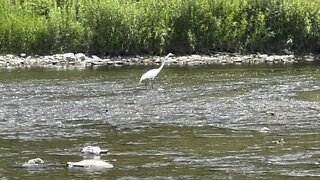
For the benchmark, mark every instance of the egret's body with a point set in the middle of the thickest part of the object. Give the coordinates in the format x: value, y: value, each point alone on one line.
x: 151, y: 74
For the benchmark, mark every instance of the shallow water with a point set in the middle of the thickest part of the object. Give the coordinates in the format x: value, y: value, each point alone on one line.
x: 197, y: 123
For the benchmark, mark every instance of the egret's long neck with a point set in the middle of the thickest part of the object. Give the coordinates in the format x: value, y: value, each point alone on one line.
x: 162, y: 64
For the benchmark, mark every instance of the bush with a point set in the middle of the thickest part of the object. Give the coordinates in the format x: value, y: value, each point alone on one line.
x: 114, y: 27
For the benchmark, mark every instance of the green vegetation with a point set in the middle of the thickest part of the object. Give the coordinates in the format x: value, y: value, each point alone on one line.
x: 112, y: 27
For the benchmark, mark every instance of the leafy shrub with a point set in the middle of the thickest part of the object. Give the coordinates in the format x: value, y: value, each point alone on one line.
x: 112, y: 27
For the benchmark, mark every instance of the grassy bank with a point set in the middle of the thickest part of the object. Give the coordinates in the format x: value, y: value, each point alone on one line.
x: 112, y: 27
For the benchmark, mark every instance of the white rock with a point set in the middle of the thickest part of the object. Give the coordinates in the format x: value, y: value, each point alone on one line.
x: 195, y: 57
x: 69, y: 56
x: 16, y: 62
x: 237, y: 59
x: 110, y: 62
x: 94, y: 150
x: 270, y: 59
x: 10, y: 56
x: 96, y: 58
x: 80, y: 56
x: 263, y: 56
x: 119, y: 62
x: 265, y: 130
x: 34, y: 162
x: 90, y: 164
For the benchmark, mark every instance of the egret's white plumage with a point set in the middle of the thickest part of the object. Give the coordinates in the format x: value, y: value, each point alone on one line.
x: 151, y: 74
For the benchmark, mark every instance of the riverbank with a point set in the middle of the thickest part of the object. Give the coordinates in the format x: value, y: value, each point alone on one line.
x: 117, y: 27
x: 82, y: 61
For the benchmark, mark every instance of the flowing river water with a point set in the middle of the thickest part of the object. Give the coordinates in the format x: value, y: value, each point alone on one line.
x: 196, y: 123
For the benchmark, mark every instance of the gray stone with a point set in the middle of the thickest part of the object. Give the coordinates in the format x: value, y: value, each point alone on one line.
x: 119, y: 62
x: 10, y: 56
x: 237, y: 60
x: 95, y: 58
x: 195, y: 56
x: 80, y: 56
x: 69, y: 57
x: 23, y: 55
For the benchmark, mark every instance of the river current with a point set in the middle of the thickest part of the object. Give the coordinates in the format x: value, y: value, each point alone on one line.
x: 196, y: 123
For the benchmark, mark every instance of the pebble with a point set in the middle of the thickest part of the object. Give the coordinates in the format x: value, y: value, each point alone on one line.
x: 81, y: 61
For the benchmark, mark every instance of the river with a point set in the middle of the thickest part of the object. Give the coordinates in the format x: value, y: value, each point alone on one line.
x: 196, y: 123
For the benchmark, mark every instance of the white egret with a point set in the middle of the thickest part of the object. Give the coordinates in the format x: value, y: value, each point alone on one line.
x: 151, y: 74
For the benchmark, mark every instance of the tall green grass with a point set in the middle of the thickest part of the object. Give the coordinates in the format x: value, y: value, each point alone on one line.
x: 117, y: 27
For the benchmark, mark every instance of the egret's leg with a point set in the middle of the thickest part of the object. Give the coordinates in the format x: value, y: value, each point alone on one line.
x: 146, y: 84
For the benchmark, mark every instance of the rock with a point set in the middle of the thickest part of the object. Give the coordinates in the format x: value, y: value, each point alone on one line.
x: 94, y: 150
x: 69, y: 56
x: 95, y: 58
x: 109, y: 62
x: 263, y: 56
x: 280, y: 142
x: 80, y: 56
x: 71, y: 63
x: 34, y: 162
x: 80, y: 60
x: 59, y: 57
x: 23, y: 55
x: 195, y: 57
x: 265, y: 130
x: 309, y: 58
x: 97, y: 63
x: 269, y: 59
x: 90, y: 164
x: 119, y: 63
x: 3, y: 63
x: 16, y: 62
x: 10, y: 56
x: 237, y: 60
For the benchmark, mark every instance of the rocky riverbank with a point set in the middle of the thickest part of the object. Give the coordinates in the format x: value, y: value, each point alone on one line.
x: 82, y: 61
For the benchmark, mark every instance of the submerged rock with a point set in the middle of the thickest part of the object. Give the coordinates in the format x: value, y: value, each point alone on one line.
x: 90, y: 164
x: 280, y: 142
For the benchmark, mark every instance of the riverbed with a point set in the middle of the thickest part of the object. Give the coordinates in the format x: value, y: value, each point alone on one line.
x: 199, y: 122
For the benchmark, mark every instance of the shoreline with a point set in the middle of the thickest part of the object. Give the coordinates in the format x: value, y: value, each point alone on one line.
x: 82, y: 61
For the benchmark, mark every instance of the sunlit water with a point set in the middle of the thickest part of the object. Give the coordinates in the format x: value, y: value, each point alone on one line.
x: 197, y: 123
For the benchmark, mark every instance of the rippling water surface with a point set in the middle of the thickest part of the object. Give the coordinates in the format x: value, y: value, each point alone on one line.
x: 197, y: 123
